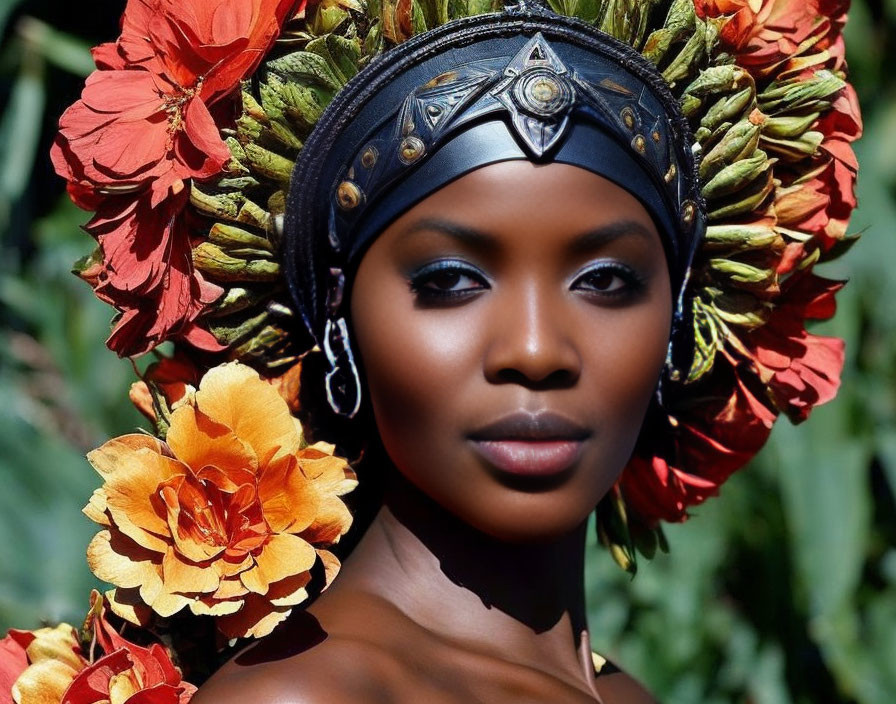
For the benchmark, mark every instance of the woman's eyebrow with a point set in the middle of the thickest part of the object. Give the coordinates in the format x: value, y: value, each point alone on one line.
x: 604, y: 234
x: 469, y: 236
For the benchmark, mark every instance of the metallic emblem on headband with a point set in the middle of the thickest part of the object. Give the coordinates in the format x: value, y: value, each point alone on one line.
x: 348, y: 195
x: 411, y: 149
x: 538, y: 94
x: 369, y: 157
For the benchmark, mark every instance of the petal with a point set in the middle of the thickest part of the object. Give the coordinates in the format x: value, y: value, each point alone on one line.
x: 289, y: 501
x: 137, y: 510
x: 184, y: 577
x: 118, y: 560
x: 332, y: 522
x: 201, y: 149
x: 59, y: 644
x: 215, y: 607
x: 189, y: 491
x: 127, y: 604
x: 134, y: 466
x: 43, y: 683
x: 256, y: 619
x: 13, y: 662
x: 331, y: 566
x: 233, y: 394
x: 95, y: 509
x: 230, y: 589
x: 283, y: 556
x: 199, y: 441
x: 290, y: 591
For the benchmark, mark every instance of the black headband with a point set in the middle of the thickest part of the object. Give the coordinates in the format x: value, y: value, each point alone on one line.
x: 521, y: 84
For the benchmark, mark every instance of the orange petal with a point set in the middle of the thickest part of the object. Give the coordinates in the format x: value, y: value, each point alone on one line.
x: 127, y: 604
x: 118, y: 560
x: 131, y: 491
x: 59, y: 644
x: 332, y: 522
x: 154, y: 594
x: 43, y: 683
x: 231, y: 568
x: 95, y: 509
x: 233, y: 394
x: 197, y: 551
x: 106, y: 458
x: 290, y: 591
x: 215, y: 607
x: 198, y: 441
x: 183, y: 577
x: 330, y: 474
x: 331, y: 566
x: 289, y: 501
x: 230, y: 589
x: 283, y: 556
x: 256, y: 619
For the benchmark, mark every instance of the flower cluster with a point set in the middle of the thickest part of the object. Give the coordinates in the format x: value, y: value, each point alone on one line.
x: 226, y: 511
x: 226, y: 517
x: 755, y: 358
x: 142, y: 130
x: 50, y: 666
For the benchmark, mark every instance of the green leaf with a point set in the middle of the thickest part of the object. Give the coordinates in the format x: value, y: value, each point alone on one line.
x: 60, y: 49
x: 20, y: 131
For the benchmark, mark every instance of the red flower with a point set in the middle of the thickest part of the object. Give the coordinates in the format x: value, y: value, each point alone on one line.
x: 127, y: 673
x: 148, y: 274
x: 765, y: 33
x: 172, y: 378
x: 36, y: 667
x: 141, y: 129
x: 47, y: 666
x: 802, y: 370
x: 717, y: 439
x: 143, y: 118
x: 13, y: 662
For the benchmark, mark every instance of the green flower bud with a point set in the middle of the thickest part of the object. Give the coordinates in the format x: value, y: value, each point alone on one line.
x: 210, y: 259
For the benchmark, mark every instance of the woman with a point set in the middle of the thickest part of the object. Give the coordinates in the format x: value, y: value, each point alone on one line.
x: 496, y: 233
x: 505, y: 257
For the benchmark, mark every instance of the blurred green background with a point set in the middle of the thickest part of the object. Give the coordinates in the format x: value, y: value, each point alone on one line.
x: 782, y: 590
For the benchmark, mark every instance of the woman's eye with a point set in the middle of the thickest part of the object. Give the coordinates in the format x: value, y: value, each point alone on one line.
x: 446, y: 280
x: 609, y: 280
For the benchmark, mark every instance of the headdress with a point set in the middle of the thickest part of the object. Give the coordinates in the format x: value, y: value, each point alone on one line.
x: 476, y: 91
x: 185, y: 143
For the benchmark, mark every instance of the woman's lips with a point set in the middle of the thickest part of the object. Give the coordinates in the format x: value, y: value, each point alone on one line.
x: 532, y: 458
x: 535, y: 444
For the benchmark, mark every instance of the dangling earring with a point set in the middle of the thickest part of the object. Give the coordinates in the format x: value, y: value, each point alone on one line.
x: 342, y: 381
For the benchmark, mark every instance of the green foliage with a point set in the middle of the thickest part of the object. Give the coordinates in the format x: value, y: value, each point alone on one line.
x: 782, y: 590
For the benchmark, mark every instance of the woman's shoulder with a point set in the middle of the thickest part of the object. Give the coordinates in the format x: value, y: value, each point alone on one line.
x: 334, y: 670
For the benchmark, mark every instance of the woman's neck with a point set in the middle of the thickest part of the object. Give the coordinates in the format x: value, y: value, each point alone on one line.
x: 524, y: 603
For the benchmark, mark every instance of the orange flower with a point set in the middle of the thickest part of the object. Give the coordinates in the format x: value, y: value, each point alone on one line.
x: 226, y: 517
x: 37, y: 667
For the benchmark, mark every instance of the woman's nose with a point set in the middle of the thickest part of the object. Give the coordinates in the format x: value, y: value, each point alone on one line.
x: 531, y: 341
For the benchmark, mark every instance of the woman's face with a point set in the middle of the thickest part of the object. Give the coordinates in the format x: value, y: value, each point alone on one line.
x: 512, y: 327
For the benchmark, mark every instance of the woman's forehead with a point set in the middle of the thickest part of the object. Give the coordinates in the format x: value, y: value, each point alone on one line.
x: 518, y: 201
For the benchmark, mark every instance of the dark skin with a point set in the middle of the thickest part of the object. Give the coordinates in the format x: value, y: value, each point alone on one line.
x: 546, y: 293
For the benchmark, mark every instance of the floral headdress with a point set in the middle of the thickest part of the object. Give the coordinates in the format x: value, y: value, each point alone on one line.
x: 183, y: 144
